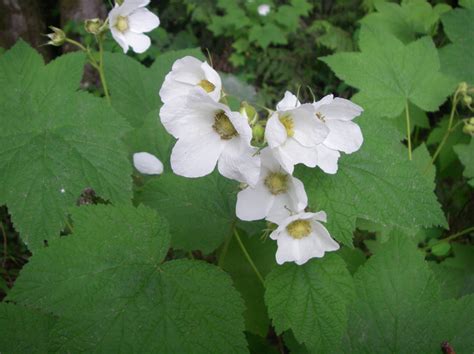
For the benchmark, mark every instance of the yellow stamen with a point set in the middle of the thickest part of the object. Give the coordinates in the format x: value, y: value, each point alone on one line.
x: 299, y: 229
x: 122, y: 23
x: 288, y: 123
x: 223, y: 126
x: 276, y: 182
x: 207, y: 85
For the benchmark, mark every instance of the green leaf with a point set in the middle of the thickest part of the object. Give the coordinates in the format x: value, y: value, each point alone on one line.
x: 389, y: 73
x: 54, y: 143
x: 112, y: 292
x: 466, y: 155
x: 245, y: 279
x: 24, y: 330
x: 456, y: 58
x: 134, y: 88
x: 201, y: 211
x: 266, y: 35
x: 378, y: 183
x: 398, y: 307
x: 311, y: 300
x: 406, y: 20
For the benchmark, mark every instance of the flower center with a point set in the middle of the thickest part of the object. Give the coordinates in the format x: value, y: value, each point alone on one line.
x: 207, y: 85
x: 122, y: 23
x: 276, y: 182
x: 288, y: 123
x: 299, y: 229
x: 223, y: 126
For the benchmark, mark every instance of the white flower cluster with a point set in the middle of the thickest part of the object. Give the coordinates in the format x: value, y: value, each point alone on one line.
x: 209, y: 133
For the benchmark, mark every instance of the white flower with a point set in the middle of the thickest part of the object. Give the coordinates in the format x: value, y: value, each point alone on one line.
x: 209, y: 133
x: 129, y: 21
x: 147, y: 164
x: 263, y: 10
x: 344, y: 135
x: 293, y: 132
x: 301, y: 237
x: 275, y: 195
x: 187, y: 74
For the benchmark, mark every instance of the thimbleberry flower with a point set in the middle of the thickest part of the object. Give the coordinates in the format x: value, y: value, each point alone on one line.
x: 129, y: 21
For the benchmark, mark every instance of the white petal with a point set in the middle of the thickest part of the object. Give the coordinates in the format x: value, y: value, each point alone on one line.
x: 297, y: 194
x: 281, y: 208
x: 119, y: 38
x: 190, y: 115
x: 142, y: 20
x: 129, y: 6
x: 320, y: 216
x: 340, y: 109
x: 323, y: 101
x: 324, y: 240
x: 240, y: 124
x: 196, y: 156
x: 289, y: 101
x: 239, y: 162
x: 138, y: 41
x: 147, y: 163
x: 213, y: 77
x: 292, y: 153
x: 344, y: 136
x: 309, y: 131
x: 268, y: 160
x: 288, y: 250
x: 327, y: 159
x: 188, y: 70
x: 275, y: 132
x: 253, y: 203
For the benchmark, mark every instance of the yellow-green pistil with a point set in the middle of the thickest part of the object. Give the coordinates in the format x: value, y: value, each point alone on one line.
x: 223, y: 126
x: 276, y: 182
x: 207, y: 85
x: 122, y: 23
x: 288, y: 123
x: 299, y: 229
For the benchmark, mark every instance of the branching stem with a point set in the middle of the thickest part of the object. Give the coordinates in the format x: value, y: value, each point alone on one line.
x: 451, y: 237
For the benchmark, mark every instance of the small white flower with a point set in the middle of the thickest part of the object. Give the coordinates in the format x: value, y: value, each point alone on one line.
x: 63, y: 190
x: 209, y: 133
x: 292, y: 132
x: 275, y: 195
x: 129, y: 21
x: 263, y: 10
x: 344, y: 135
x: 301, y: 237
x: 147, y: 164
x: 187, y: 74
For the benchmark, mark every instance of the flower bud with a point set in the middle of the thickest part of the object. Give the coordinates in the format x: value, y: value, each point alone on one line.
x: 467, y: 100
x: 119, y: 2
x: 258, y: 132
x: 248, y: 112
x: 462, y: 88
x: 468, y: 128
x: 93, y: 25
x: 57, y: 38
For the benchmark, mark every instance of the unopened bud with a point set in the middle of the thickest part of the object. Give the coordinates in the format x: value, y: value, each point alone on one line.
x: 119, y: 2
x: 467, y: 100
x: 462, y: 88
x: 248, y: 112
x: 57, y: 38
x: 258, y: 132
x: 93, y: 25
x: 468, y: 128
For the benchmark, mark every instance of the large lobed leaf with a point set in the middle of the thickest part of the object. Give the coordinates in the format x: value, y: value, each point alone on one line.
x: 465, y: 153
x: 54, y: 143
x: 389, y: 73
x: 378, y: 183
x: 111, y: 291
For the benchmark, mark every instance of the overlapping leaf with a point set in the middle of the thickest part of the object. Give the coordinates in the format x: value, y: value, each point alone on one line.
x: 398, y: 307
x: 311, y: 300
x: 389, y: 74
x: 111, y: 291
x: 466, y: 155
x: 378, y: 183
x: 54, y: 143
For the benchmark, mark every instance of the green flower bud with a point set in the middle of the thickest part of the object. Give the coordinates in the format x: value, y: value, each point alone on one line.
x: 249, y: 112
x: 258, y: 133
x: 57, y: 38
x: 462, y: 88
x: 93, y: 25
x: 468, y: 128
x: 467, y: 100
x: 119, y: 2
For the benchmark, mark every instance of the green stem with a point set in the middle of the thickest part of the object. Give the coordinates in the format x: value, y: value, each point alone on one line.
x: 452, y: 237
x: 448, y: 130
x: 101, y: 70
x: 249, y: 259
x: 407, y: 114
